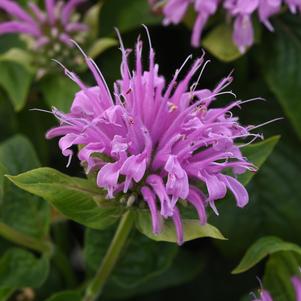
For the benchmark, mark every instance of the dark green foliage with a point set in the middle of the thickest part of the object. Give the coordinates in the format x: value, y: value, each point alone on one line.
x: 55, y: 225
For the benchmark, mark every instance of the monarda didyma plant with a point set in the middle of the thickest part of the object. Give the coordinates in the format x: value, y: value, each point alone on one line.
x: 49, y: 31
x: 155, y: 142
x: 144, y: 163
x: 154, y: 152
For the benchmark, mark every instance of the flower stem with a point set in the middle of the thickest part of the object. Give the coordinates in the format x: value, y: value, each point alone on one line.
x: 24, y: 240
x: 124, y: 228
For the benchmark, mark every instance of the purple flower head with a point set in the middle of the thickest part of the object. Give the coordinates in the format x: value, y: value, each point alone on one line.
x: 241, y: 12
x: 46, y: 31
x: 160, y: 142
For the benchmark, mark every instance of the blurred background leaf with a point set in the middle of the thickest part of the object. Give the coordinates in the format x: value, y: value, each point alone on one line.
x: 65, y: 296
x: 19, y: 209
x: 19, y: 268
x: 220, y: 44
x: 279, y: 270
x: 125, y: 15
x: 25, y: 214
x: 263, y: 247
x: 142, y: 259
x: 58, y: 90
x: 15, y: 79
x: 201, y: 268
x: 281, y: 64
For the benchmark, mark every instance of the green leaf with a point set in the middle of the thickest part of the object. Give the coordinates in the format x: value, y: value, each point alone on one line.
x: 261, y: 248
x: 281, y: 64
x: 191, y: 228
x: 24, y: 212
x: 125, y: 15
x: 142, y: 259
x: 20, y: 210
x: 184, y: 267
x: 18, y: 155
x: 8, y: 117
x: 76, y: 198
x: 100, y: 45
x: 20, y: 268
x: 66, y: 296
x: 40, y: 123
x: 257, y: 153
x: 24, y: 3
x: 91, y: 18
x: 58, y: 91
x: 3, y: 171
x: 219, y: 42
x: 19, y: 56
x: 54, y: 283
x: 10, y: 41
x: 279, y: 270
x: 15, y: 80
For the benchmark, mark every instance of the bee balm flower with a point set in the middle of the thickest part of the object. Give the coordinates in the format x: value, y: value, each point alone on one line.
x: 241, y: 11
x: 159, y: 142
x: 48, y: 32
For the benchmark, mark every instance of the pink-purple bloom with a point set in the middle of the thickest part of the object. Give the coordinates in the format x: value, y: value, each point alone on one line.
x: 240, y: 11
x: 266, y: 296
x: 47, y: 30
x: 158, y: 142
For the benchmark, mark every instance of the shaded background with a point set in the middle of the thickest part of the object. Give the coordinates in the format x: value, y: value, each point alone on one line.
x: 201, y: 269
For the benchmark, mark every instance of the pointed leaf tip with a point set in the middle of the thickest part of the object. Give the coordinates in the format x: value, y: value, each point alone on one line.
x: 260, y: 249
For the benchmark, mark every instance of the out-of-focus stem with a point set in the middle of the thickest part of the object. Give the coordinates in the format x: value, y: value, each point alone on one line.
x: 24, y: 240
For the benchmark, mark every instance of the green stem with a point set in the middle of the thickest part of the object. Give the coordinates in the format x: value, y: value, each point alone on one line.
x: 24, y: 240
x: 124, y: 228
